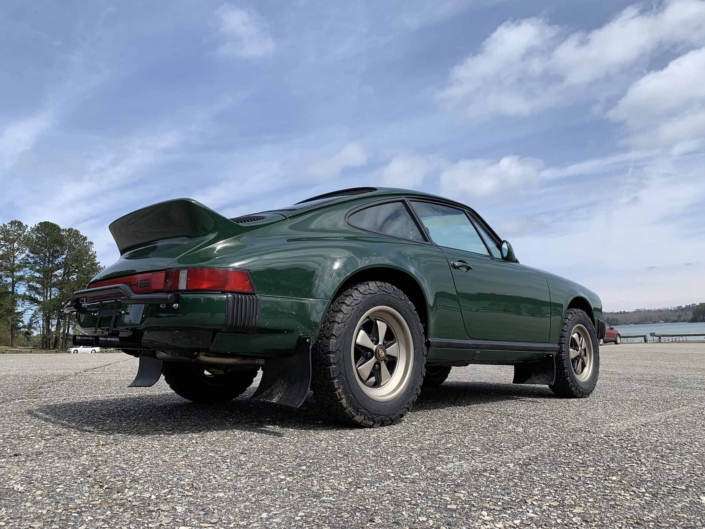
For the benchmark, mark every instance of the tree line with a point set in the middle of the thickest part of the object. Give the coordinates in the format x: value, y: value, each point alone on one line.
x: 40, y: 267
x: 698, y: 314
x: 684, y: 313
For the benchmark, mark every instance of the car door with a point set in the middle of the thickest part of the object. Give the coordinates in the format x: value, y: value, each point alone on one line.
x: 499, y: 300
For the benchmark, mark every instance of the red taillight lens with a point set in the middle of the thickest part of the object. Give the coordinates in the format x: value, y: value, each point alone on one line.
x: 139, y: 283
x: 218, y: 279
x: 213, y: 279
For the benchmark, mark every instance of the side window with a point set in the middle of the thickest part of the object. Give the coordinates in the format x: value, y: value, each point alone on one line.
x: 390, y: 219
x: 449, y: 227
x: 494, y: 249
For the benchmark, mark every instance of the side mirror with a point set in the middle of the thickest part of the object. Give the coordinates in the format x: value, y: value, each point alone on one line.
x: 508, y: 252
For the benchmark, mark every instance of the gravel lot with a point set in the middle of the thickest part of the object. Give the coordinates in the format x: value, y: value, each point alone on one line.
x: 80, y: 449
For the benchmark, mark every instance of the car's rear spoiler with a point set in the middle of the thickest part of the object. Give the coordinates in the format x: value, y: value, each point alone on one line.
x: 182, y: 217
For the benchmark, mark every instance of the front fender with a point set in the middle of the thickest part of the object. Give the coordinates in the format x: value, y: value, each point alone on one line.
x: 566, y: 293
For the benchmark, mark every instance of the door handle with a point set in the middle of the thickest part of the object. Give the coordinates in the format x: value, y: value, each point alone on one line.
x: 460, y: 264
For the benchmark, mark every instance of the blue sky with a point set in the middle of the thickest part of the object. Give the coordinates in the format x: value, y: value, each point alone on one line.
x: 577, y: 129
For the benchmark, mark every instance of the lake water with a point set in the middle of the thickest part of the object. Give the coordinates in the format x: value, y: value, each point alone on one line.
x: 664, y: 328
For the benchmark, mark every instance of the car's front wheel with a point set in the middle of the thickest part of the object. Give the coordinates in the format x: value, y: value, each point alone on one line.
x: 207, y: 385
x: 578, y: 359
x: 618, y: 340
x: 368, y: 363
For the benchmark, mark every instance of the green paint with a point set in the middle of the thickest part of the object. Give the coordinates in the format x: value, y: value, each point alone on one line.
x: 300, y: 259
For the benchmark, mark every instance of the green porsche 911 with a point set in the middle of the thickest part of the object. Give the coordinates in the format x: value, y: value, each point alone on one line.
x: 363, y: 295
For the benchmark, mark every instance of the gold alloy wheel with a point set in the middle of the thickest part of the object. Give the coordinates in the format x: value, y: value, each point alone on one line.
x: 382, y: 353
x: 582, y: 355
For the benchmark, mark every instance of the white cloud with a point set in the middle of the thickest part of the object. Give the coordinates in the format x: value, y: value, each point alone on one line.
x: 529, y: 65
x: 464, y: 178
x: 105, y: 179
x: 415, y: 14
x: 20, y: 136
x: 506, y: 75
x: 242, y: 182
x: 614, y: 240
x: 629, y: 39
x: 622, y: 161
x: 667, y: 108
x: 245, y: 33
x: 485, y: 177
x: 352, y: 155
x: 408, y: 170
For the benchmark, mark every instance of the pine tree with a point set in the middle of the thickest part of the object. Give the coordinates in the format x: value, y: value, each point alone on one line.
x: 79, y: 264
x: 45, y: 248
x: 13, y: 247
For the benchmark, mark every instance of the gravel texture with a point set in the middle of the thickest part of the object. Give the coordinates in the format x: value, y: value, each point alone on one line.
x: 80, y: 449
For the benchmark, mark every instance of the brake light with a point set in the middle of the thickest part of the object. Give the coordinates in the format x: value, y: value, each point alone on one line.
x: 139, y: 283
x: 187, y: 279
x: 218, y: 279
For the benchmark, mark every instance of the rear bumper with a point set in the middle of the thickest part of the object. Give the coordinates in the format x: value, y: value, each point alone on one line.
x: 118, y: 294
x: 240, y: 324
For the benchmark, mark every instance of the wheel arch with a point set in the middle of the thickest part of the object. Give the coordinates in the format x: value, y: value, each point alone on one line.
x: 398, y: 277
x: 580, y: 302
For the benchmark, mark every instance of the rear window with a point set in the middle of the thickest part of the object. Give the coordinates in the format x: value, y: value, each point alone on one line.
x: 389, y: 219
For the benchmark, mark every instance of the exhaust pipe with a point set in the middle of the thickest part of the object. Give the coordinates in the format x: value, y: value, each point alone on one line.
x: 115, y: 342
x: 229, y: 360
x: 112, y: 342
x: 90, y: 341
x: 209, y: 359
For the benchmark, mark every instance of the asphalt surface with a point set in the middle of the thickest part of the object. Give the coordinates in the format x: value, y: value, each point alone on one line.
x: 80, y: 449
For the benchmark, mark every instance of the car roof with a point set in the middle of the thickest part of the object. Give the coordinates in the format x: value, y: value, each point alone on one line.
x: 355, y: 193
x: 341, y: 196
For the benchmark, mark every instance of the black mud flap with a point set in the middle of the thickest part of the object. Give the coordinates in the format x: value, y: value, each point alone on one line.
x: 543, y: 372
x: 148, y: 373
x: 286, y: 380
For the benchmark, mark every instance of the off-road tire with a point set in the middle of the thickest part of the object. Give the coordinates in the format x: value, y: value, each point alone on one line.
x: 334, y: 387
x: 566, y: 383
x: 188, y: 380
x: 435, y: 376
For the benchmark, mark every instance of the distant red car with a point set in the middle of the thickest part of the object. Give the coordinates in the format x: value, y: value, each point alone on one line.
x: 612, y: 335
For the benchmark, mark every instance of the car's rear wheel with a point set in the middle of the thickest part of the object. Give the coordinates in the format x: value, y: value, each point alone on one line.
x: 578, y: 359
x: 208, y: 385
x: 368, y: 363
x: 435, y: 376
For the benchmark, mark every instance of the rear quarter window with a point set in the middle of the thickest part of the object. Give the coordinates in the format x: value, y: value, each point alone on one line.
x: 391, y: 219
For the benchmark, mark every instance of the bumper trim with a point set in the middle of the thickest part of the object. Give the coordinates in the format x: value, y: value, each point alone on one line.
x: 123, y: 295
x: 241, y: 313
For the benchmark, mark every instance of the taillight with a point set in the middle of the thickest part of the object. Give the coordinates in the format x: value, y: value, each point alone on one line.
x: 218, y: 279
x: 187, y: 279
x: 139, y: 283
